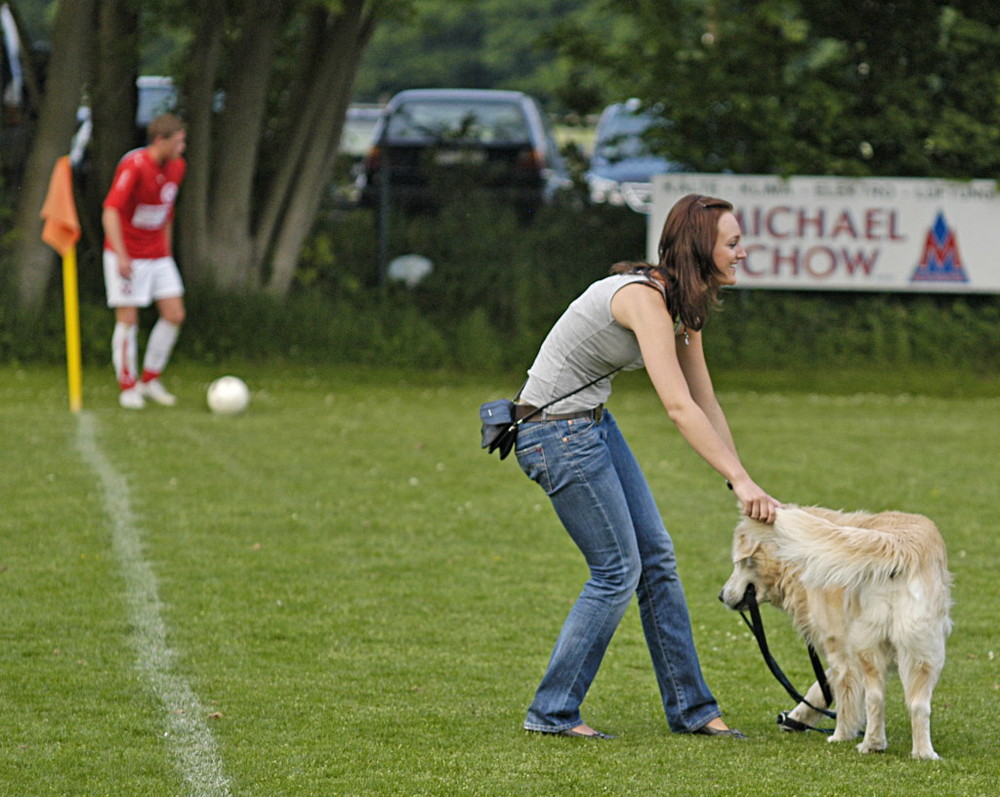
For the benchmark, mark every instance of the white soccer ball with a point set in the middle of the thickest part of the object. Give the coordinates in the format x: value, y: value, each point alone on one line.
x: 228, y: 395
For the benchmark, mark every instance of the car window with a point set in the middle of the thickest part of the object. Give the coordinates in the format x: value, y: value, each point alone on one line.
x: 623, y: 136
x: 482, y: 122
x: 154, y: 100
x: 551, y: 145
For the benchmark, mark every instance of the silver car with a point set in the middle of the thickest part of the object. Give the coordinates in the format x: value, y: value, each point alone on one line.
x: 623, y: 165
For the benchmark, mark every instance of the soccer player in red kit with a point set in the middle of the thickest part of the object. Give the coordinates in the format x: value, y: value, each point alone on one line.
x: 139, y: 266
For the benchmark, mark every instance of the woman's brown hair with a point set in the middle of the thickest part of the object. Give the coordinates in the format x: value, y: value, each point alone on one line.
x: 687, y: 266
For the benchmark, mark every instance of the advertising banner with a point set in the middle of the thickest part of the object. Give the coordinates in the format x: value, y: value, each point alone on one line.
x: 852, y: 234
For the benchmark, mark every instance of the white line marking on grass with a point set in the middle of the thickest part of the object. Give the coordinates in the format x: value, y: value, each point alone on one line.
x: 187, y: 735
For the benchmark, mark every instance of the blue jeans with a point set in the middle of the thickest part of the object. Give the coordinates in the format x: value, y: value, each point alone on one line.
x: 602, y: 498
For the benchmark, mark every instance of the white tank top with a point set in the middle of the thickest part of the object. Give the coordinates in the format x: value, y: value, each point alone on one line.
x: 584, y: 343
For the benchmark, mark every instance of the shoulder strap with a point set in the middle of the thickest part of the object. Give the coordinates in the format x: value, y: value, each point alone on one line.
x: 565, y: 396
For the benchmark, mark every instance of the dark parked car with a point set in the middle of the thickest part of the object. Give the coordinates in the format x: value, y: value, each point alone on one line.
x: 623, y: 164
x: 355, y: 143
x: 429, y: 140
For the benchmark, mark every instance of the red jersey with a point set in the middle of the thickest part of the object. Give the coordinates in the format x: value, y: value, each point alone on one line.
x: 143, y: 192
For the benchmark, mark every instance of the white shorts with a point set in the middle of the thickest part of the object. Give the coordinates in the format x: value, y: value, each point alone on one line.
x: 152, y: 280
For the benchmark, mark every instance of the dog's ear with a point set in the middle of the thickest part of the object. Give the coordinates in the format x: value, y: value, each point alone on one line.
x: 744, y: 546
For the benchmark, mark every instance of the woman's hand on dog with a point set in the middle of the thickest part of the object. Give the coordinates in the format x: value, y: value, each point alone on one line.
x: 756, y: 503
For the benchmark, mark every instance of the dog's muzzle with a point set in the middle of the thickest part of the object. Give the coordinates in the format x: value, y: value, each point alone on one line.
x: 749, y: 596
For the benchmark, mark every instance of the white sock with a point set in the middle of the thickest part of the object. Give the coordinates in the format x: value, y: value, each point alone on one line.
x: 124, y: 343
x: 158, y: 348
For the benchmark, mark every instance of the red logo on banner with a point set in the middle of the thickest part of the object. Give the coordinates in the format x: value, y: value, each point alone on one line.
x: 940, y: 261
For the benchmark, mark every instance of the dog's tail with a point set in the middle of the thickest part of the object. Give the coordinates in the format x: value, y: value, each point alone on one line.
x: 878, y: 548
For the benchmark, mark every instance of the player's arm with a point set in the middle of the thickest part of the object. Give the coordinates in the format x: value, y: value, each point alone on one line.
x: 642, y: 310
x: 111, y: 220
x: 118, y: 198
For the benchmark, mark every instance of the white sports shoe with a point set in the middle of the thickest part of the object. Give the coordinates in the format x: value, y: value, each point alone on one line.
x: 155, y: 391
x: 132, y: 399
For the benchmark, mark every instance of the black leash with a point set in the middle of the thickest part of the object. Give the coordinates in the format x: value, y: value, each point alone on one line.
x: 757, y: 627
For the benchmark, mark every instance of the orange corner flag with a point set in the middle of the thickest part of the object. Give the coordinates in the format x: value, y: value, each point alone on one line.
x: 62, y: 225
x: 61, y: 232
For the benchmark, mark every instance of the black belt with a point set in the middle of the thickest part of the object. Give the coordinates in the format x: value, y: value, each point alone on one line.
x: 522, y: 411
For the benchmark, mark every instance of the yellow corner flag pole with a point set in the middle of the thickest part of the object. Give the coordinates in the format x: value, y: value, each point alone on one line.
x: 71, y: 307
x: 61, y: 231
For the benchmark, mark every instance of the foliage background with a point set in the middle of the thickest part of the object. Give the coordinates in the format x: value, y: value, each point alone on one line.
x: 851, y: 87
x: 498, y: 286
x: 856, y: 87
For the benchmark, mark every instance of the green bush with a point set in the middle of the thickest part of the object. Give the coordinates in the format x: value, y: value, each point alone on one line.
x: 773, y: 329
x: 497, y: 286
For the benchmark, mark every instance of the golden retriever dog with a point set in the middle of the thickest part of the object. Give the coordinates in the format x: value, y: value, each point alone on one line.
x: 866, y: 590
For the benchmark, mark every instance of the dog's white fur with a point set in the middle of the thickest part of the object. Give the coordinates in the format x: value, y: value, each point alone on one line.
x: 865, y: 590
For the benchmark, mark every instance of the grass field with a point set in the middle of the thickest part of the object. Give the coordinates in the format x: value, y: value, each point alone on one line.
x: 340, y: 594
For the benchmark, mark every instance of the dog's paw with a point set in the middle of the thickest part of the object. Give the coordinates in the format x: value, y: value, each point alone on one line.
x: 925, y: 755
x: 807, y: 716
x: 872, y: 747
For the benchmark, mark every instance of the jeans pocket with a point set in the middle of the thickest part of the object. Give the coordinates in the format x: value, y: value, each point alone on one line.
x: 531, y: 458
x: 575, y: 426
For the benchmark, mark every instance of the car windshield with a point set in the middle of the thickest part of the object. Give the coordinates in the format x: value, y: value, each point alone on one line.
x: 624, y: 137
x: 153, y: 101
x: 466, y: 122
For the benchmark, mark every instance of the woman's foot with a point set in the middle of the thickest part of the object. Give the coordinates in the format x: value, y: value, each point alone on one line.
x: 586, y: 731
x: 582, y: 731
x: 717, y: 727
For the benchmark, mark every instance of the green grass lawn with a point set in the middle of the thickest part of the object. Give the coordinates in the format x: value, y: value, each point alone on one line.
x: 361, y: 601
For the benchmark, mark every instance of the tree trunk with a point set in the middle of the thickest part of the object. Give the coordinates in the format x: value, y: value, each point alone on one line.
x: 297, y: 136
x: 235, y: 263
x: 113, y: 94
x: 72, y: 42
x: 193, y: 232
x: 254, y: 180
x: 241, y: 209
x: 318, y: 141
